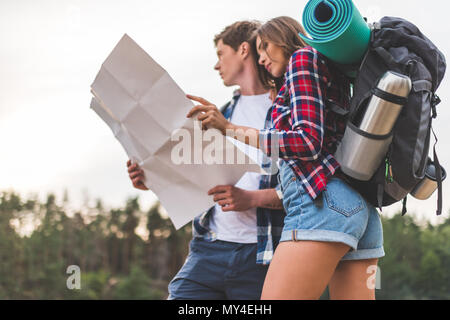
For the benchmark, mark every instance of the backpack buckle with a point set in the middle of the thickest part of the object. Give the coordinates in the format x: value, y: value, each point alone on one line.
x: 375, y: 26
x: 435, y: 100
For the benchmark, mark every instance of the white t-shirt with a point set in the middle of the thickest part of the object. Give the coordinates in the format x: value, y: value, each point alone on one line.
x: 233, y: 226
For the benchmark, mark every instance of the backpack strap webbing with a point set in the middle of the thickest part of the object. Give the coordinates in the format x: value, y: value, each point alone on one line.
x: 438, y: 175
x: 404, y: 210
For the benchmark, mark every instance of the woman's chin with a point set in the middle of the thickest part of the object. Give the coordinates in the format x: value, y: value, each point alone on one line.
x: 276, y: 73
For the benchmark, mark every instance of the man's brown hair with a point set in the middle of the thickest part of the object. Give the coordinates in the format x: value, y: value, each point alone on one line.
x: 237, y: 33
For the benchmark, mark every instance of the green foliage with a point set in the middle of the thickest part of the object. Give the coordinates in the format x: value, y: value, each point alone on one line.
x: 137, y: 286
x: 116, y: 263
x: 416, y: 262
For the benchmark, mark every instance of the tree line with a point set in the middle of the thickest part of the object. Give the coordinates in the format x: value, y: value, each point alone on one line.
x: 117, y: 262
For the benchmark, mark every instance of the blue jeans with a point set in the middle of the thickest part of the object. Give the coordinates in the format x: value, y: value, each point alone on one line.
x: 340, y: 214
x: 219, y: 270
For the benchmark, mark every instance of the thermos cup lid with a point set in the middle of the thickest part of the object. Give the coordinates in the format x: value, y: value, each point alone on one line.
x: 430, y: 171
x: 395, y: 83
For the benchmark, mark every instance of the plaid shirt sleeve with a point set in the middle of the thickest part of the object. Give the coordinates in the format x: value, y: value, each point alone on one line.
x: 304, y: 141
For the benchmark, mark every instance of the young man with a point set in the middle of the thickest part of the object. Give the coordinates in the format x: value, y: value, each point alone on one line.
x: 234, y: 240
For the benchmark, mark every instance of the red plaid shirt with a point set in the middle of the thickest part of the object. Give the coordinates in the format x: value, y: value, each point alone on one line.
x: 304, y: 131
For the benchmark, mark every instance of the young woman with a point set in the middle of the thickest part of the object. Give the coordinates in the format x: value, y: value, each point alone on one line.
x: 331, y: 236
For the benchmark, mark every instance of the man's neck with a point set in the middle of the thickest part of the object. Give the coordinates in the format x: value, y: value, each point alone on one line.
x: 249, y: 83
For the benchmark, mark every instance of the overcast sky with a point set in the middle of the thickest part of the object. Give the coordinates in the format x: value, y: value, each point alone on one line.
x: 51, y: 51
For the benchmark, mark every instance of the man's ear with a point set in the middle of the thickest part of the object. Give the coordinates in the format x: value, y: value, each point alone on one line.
x: 244, y: 49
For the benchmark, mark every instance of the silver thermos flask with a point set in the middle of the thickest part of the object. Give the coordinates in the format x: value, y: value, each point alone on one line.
x: 368, y: 136
x: 380, y: 115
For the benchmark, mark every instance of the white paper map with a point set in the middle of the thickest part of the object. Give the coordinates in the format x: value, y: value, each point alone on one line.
x: 144, y: 107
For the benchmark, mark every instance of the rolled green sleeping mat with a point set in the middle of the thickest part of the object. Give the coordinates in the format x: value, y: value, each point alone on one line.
x: 337, y: 29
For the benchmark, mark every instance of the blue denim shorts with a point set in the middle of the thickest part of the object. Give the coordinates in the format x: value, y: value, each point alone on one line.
x: 339, y: 214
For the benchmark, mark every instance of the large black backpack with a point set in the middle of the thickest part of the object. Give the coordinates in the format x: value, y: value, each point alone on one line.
x: 398, y: 45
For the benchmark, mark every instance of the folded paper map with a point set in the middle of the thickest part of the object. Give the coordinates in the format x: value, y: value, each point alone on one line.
x: 146, y: 110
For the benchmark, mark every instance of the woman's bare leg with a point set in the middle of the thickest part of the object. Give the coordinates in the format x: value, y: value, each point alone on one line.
x: 302, y: 269
x: 350, y: 280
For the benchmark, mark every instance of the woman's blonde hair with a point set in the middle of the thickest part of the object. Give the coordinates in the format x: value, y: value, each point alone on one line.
x: 282, y: 32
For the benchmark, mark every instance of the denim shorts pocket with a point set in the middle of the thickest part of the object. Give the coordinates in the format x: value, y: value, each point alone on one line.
x: 342, y: 198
